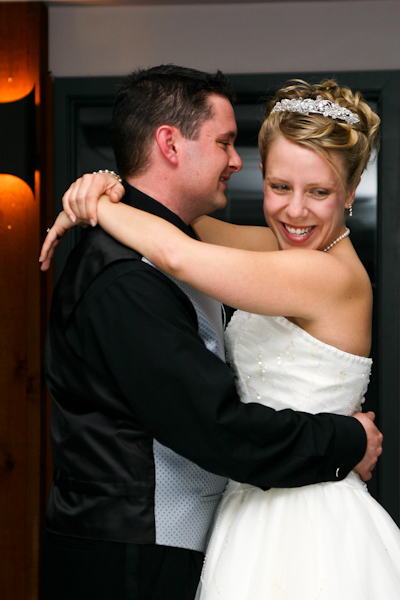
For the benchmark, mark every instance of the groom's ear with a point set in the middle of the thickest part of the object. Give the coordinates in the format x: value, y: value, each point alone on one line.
x: 167, y: 138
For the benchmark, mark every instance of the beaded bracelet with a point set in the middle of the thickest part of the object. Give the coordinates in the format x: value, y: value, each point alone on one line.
x: 106, y: 171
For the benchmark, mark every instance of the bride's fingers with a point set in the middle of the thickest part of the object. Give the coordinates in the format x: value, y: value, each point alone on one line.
x: 68, y: 200
x: 47, y: 255
x: 91, y: 187
x: 75, y: 200
x: 60, y: 227
x: 98, y: 184
x: 117, y: 192
x: 80, y: 200
x: 48, y: 249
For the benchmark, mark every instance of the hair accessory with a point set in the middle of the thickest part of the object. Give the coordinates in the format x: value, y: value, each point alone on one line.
x: 113, y: 173
x: 338, y: 239
x: 318, y: 106
x: 350, y: 210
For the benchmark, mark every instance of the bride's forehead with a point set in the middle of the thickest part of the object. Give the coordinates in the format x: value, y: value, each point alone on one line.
x: 289, y: 158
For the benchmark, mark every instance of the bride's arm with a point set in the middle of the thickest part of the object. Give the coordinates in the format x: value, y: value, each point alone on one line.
x: 80, y: 202
x: 298, y: 283
x: 214, y: 231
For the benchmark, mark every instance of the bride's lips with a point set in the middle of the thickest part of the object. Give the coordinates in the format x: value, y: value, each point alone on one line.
x: 296, y: 233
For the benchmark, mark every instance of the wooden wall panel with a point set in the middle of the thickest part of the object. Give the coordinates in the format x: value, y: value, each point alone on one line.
x: 24, y: 300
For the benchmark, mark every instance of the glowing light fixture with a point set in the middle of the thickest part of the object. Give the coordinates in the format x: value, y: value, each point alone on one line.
x: 17, y: 138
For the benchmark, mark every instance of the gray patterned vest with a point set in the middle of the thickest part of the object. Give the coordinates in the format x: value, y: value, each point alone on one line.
x: 186, y: 495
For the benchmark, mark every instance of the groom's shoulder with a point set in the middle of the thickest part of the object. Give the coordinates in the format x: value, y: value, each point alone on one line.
x: 93, y: 254
x: 88, y: 262
x: 99, y: 263
x: 97, y: 243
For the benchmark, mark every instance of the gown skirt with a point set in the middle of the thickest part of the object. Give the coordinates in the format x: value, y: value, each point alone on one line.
x: 328, y: 541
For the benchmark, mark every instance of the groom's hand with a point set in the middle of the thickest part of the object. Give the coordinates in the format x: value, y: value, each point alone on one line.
x: 374, y: 445
x: 80, y: 200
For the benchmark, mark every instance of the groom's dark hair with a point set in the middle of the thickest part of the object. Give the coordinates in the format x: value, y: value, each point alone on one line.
x: 163, y: 95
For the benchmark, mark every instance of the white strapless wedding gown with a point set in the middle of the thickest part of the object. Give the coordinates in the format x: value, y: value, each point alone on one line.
x: 328, y: 541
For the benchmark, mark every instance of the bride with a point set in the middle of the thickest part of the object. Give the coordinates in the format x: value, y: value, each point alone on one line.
x: 300, y: 339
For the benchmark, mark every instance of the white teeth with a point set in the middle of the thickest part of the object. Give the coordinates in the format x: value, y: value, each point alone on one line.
x: 297, y: 230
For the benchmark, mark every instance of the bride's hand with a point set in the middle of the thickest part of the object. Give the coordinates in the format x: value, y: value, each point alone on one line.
x: 80, y: 200
x: 60, y: 227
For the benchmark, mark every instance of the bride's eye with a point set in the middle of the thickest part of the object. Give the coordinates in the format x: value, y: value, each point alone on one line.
x: 279, y: 187
x: 320, y: 193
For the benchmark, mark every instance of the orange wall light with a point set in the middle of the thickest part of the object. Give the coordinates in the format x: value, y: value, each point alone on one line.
x: 17, y: 138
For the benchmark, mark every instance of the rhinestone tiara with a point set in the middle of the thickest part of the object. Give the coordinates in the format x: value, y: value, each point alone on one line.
x: 318, y: 106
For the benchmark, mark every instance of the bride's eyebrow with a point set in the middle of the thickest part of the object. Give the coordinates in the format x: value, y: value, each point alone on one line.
x: 276, y: 178
x: 282, y: 179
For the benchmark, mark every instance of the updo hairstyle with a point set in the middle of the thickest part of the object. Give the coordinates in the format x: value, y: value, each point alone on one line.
x: 353, y: 143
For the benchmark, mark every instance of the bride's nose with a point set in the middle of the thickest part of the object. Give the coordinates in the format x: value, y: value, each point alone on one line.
x: 296, y: 206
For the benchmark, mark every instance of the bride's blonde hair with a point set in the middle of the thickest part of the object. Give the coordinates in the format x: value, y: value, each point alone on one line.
x: 353, y: 143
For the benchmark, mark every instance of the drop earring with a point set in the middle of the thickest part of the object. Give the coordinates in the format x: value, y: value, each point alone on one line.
x: 350, y: 210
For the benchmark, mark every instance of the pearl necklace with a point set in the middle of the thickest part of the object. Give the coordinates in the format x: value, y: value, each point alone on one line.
x: 339, y: 239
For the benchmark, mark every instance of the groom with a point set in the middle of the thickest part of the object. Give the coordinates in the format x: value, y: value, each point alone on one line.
x: 146, y: 422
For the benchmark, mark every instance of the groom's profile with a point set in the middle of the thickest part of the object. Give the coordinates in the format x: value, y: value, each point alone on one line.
x: 146, y: 423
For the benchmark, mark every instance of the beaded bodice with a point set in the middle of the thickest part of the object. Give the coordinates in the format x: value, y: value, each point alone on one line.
x: 279, y: 364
